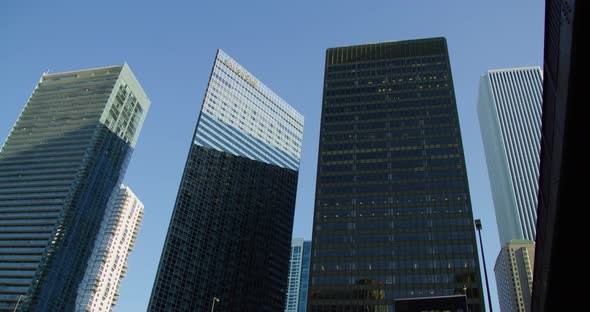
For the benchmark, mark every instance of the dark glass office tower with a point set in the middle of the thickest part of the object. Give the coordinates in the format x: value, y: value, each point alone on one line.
x: 60, y: 172
x: 392, y: 215
x: 230, y: 234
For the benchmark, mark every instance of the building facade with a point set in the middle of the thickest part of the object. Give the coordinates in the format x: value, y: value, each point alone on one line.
x: 509, y: 110
x: 392, y: 215
x: 563, y: 155
x: 231, y: 227
x: 514, y: 275
x: 296, y: 300
x: 99, y: 290
x: 60, y: 169
x: 304, y: 281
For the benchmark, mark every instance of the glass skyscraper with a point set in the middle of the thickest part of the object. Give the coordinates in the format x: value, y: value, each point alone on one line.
x: 509, y: 110
x: 296, y: 300
x: 60, y: 170
x: 230, y: 233
x: 304, y: 281
x: 393, y: 214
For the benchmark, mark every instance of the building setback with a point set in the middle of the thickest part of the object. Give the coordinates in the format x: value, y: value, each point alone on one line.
x: 392, y: 215
x: 509, y: 110
x: 60, y: 170
x: 230, y: 231
x: 514, y: 275
x: 296, y: 300
x: 99, y: 290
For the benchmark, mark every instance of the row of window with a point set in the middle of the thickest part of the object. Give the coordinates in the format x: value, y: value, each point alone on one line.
x: 406, y: 72
x: 402, y: 200
x: 369, y: 279
x: 405, y: 97
x: 410, y: 104
x: 430, y: 134
x: 417, y: 164
x: 401, y: 186
x: 349, y: 152
x: 459, y: 247
x: 373, y: 81
x: 396, y: 224
x: 328, y: 213
x: 390, y: 87
x: 414, y: 237
x: 389, y: 114
x: 424, y: 176
x: 377, y: 265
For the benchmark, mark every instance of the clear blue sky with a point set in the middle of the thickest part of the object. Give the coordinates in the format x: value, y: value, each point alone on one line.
x: 170, y: 46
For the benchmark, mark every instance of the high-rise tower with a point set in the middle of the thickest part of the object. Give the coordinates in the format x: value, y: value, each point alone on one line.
x: 509, y: 110
x: 296, y: 300
x: 393, y: 214
x: 514, y: 275
x: 99, y: 290
x: 60, y: 169
x: 230, y: 233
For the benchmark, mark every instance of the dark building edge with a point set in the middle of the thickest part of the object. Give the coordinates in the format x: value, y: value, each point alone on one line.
x: 559, y: 223
x: 184, y: 172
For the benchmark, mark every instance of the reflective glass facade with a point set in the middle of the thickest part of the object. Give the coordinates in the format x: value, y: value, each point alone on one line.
x: 60, y: 170
x: 230, y: 231
x: 392, y: 216
x: 304, y: 281
x: 298, y: 276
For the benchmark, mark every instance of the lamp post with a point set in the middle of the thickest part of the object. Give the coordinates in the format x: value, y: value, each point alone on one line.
x: 485, y: 271
x: 18, y: 301
x: 215, y: 299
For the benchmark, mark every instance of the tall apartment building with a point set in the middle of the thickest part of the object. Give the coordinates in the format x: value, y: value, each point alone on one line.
x: 393, y: 214
x: 99, y: 290
x: 60, y: 170
x: 230, y: 232
x: 296, y: 300
x: 514, y: 275
x: 509, y: 110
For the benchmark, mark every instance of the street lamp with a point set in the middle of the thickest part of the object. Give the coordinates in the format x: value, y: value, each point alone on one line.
x: 215, y: 299
x: 18, y: 301
x: 485, y: 271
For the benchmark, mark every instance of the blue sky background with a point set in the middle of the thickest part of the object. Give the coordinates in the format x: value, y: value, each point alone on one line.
x: 171, y: 45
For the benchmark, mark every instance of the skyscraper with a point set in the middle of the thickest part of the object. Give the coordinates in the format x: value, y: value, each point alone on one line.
x: 296, y: 300
x: 509, y: 110
x: 230, y: 232
x: 99, y: 290
x: 514, y: 275
x: 60, y: 169
x: 393, y: 215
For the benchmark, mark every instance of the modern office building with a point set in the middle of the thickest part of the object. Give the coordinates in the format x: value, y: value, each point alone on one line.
x: 230, y: 233
x: 509, y: 110
x: 99, y: 290
x: 563, y: 156
x: 298, y: 276
x: 393, y: 216
x: 514, y: 275
x: 60, y: 170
